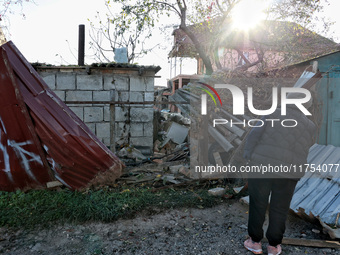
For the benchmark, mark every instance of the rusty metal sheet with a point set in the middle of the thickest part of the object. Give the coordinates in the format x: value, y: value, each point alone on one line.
x: 22, y: 161
x: 74, y: 153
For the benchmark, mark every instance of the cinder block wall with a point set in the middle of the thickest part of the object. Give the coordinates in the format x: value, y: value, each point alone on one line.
x: 116, y: 124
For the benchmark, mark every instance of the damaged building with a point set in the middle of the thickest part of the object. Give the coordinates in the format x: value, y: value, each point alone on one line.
x: 44, y: 140
x: 317, y: 194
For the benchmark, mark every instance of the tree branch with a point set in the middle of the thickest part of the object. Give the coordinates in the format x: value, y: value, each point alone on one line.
x: 170, y: 5
x: 240, y: 53
x: 200, y: 50
x: 219, y: 6
x: 249, y: 64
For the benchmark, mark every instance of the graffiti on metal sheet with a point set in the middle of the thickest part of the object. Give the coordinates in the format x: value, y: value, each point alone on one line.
x: 25, y: 156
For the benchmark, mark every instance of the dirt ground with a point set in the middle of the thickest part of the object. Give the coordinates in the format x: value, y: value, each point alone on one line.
x: 217, y: 230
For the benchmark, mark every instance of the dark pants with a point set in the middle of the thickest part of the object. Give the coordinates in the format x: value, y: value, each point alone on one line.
x: 281, y: 195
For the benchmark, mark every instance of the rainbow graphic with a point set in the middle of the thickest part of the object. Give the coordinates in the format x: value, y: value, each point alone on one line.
x: 204, y: 97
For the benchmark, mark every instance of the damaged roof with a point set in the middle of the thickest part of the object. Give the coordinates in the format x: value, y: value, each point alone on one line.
x: 317, y: 194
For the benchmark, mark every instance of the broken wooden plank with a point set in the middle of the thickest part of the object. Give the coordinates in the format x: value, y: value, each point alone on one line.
x: 309, y: 242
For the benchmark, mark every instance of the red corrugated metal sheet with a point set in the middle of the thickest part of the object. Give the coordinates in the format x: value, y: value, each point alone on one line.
x: 21, y: 157
x: 74, y: 153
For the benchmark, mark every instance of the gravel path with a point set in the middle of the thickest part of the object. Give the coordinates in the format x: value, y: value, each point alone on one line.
x: 217, y: 230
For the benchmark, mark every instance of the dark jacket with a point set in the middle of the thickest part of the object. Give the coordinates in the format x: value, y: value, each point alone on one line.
x: 278, y: 145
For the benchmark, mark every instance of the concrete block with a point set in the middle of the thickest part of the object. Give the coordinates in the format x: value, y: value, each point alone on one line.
x: 122, y: 96
x: 121, y: 130
x: 107, y: 113
x: 138, y: 83
x: 92, y: 127
x: 66, y: 81
x: 79, y: 111
x: 150, y: 84
x: 149, y: 96
x: 93, y: 114
x: 136, y: 129
x: 119, y: 83
x: 89, y: 82
x: 106, y: 141
x: 148, y: 129
x: 101, y: 96
x: 121, y: 114
x: 142, y: 141
x: 49, y: 79
x: 78, y: 95
x: 103, y: 130
x: 141, y: 114
x: 60, y: 94
x: 136, y: 97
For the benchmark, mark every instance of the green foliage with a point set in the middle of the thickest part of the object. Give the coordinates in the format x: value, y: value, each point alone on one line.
x: 43, y: 207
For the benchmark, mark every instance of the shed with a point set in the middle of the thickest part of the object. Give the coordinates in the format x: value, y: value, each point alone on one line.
x: 328, y: 91
x: 114, y: 100
x: 317, y: 194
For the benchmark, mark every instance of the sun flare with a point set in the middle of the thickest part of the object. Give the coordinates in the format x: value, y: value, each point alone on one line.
x: 248, y: 13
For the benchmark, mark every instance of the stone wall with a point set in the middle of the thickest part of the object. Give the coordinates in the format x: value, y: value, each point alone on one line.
x: 116, y: 124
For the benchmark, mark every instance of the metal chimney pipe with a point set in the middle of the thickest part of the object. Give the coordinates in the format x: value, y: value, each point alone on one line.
x: 81, y: 45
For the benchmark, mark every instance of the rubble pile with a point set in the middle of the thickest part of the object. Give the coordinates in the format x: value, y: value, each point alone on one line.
x: 169, y: 164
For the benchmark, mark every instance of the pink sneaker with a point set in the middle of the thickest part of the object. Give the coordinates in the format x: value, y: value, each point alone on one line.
x: 272, y: 250
x: 252, y: 246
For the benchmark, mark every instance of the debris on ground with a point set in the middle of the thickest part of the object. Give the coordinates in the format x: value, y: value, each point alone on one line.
x: 169, y: 163
x: 225, y: 142
x: 179, y: 231
x: 131, y: 152
x: 217, y: 192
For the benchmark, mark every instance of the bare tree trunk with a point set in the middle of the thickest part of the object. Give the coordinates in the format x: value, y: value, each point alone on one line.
x: 205, y: 58
x: 217, y: 57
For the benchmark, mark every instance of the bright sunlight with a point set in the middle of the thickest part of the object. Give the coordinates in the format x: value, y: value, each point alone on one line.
x: 248, y: 13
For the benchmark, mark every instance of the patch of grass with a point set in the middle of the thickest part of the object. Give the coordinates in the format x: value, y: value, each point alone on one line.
x: 43, y: 207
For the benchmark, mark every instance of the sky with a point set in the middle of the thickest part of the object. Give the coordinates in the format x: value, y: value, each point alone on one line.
x: 49, y: 33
